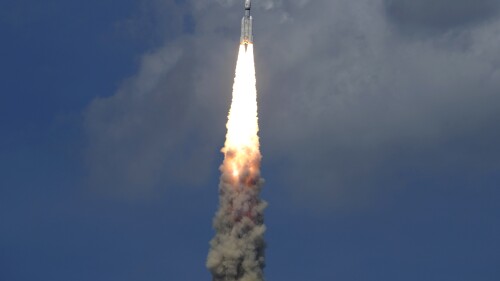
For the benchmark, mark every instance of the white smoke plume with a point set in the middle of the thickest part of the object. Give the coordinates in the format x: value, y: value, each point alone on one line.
x: 237, y: 250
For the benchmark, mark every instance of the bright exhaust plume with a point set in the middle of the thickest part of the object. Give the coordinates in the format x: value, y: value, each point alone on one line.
x: 237, y: 250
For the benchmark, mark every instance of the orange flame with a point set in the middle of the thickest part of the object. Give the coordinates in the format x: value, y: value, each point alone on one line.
x: 241, y: 149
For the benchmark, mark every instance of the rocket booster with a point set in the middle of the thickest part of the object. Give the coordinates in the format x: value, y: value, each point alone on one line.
x: 246, y: 25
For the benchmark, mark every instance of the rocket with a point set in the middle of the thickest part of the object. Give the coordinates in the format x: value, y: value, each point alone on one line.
x: 246, y: 25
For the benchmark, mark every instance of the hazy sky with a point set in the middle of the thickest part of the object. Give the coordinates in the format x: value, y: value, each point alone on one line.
x: 380, y: 132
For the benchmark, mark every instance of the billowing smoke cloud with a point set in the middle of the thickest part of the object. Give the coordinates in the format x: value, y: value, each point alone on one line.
x: 237, y: 250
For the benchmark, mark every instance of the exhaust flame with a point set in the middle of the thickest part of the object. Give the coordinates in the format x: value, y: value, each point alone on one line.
x: 237, y: 250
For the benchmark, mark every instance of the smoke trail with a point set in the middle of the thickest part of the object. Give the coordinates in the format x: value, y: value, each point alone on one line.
x: 237, y: 250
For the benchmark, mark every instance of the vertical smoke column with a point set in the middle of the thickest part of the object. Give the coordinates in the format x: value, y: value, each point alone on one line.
x: 237, y: 250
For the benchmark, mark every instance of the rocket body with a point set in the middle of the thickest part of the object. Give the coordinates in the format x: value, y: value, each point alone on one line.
x: 246, y: 25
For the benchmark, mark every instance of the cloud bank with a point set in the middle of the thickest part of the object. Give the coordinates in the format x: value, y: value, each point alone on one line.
x: 356, y: 98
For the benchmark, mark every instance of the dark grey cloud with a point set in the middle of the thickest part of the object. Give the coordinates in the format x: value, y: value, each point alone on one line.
x: 371, y: 106
x: 348, y: 106
x: 440, y: 15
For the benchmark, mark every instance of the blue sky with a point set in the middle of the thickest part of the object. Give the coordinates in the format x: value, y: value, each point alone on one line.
x: 379, y: 127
